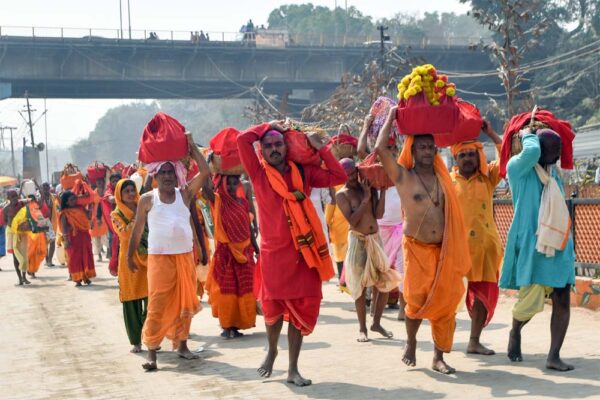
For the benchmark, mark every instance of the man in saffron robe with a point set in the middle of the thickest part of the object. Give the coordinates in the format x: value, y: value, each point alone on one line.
x: 231, y: 273
x: 75, y: 227
x: 436, y: 254
x: 294, y: 256
x: 172, y: 281
x: 529, y: 266
x: 475, y: 181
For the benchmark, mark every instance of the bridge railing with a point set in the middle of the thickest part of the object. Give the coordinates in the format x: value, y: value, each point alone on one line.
x: 299, y: 39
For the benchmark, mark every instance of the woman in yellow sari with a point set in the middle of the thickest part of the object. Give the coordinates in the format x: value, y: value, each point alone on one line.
x: 133, y: 286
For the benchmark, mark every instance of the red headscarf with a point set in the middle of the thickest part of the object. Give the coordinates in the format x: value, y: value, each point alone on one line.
x: 562, y: 127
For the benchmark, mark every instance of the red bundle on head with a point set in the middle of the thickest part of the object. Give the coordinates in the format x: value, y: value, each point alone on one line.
x: 163, y: 139
x: 299, y: 149
x: 224, y: 144
x: 518, y: 122
x: 343, y: 146
x: 96, y: 170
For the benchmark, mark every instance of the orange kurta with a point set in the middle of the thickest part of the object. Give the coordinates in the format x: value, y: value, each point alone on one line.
x: 99, y: 227
x: 172, y: 298
x: 475, y: 196
x: 132, y: 285
x: 433, y: 273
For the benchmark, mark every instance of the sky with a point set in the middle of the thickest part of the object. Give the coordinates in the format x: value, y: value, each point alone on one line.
x: 70, y: 120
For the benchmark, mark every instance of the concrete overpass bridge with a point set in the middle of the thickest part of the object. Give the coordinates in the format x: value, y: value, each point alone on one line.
x: 99, y: 67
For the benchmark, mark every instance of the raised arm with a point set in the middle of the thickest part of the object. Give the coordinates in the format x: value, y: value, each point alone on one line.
x: 489, y: 131
x: 141, y: 216
x: 380, y: 204
x: 363, y: 150
x: 245, y: 144
x: 528, y: 157
x: 197, y: 181
x: 318, y: 177
x: 390, y: 165
x: 353, y: 217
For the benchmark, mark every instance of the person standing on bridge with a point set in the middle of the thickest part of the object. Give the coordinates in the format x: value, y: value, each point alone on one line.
x: 294, y: 256
x: 172, y: 300
x: 539, y: 257
x: 475, y: 181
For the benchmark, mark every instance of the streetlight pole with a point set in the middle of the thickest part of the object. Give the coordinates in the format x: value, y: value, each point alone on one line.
x: 129, y: 17
x: 121, y: 18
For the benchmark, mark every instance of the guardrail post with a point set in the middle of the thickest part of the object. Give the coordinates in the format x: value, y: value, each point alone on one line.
x: 145, y: 37
x: 90, y: 33
x: 62, y: 36
x: 32, y: 32
x: 222, y: 36
x: 171, y: 36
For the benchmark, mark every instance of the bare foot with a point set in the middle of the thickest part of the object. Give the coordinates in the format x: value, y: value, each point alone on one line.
x: 442, y: 367
x: 401, y: 314
x: 558, y: 365
x: 475, y: 347
x: 151, y: 364
x: 514, y: 346
x: 25, y: 281
x: 88, y: 282
x: 137, y: 348
x: 234, y: 333
x: 297, y: 379
x: 266, y: 368
x: 187, y: 354
x: 225, y: 334
x: 409, y: 357
x: 362, y: 337
x: 77, y: 284
x: 379, y: 329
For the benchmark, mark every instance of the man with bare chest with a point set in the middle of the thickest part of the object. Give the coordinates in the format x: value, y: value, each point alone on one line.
x: 366, y: 262
x: 436, y: 255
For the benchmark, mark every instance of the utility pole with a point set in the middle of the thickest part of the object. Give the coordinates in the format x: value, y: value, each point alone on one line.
x: 382, y: 39
x: 46, y: 137
x: 129, y: 17
x: 121, y: 18
x: 29, y: 123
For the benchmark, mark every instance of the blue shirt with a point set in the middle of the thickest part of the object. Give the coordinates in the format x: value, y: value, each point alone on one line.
x: 523, y: 265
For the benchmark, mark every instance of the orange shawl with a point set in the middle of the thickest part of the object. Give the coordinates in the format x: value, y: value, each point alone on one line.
x: 77, y: 218
x: 304, y: 222
x: 454, y: 261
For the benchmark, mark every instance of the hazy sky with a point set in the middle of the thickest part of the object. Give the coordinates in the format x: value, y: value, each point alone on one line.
x: 69, y: 120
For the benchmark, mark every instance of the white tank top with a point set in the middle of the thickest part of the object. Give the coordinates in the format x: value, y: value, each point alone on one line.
x: 169, y: 228
x: 393, y: 209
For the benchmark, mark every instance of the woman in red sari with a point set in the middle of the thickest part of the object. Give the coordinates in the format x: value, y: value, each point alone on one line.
x: 75, y: 225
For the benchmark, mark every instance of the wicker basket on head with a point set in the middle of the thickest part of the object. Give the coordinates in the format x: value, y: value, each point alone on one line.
x: 214, y: 163
x: 516, y: 145
x: 343, y: 150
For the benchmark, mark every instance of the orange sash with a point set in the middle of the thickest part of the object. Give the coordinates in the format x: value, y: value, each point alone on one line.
x: 304, y: 222
x: 77, y: 218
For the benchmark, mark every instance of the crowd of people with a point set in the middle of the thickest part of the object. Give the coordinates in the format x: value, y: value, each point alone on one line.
x: 258, y: 242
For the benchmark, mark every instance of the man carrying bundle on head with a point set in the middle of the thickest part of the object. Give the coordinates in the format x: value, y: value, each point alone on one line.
x: 539, y: 257
x: 108, y: 203
x: 366, y: 262
x: 172, y: 300
x: 434, y: 244
x: 475, y: 181
x: 294, y: 256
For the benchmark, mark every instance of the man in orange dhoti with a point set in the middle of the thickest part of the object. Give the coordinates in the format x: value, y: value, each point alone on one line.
x: 231, y: 274
x: 172, y: 281
x: 434, y: 244
x: 294, y: 256
x: 475, y: 181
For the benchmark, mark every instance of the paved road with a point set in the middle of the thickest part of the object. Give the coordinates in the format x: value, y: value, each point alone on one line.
x: 62, y: 342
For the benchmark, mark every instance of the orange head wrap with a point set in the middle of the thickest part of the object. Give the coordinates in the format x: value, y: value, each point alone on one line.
x: 472, y: 145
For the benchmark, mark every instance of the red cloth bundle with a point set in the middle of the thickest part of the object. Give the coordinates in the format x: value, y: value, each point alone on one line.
x: 83, y: 191
x: 344, y: 138
x: 128, y: 170
x: 163, y: 139
x: 562, y: 127
x: 343, y: 146
x: 118, y: 167
x: 468, y: 126
x: 96, y: 170
x: 224, y: 144
x: 299, y: 149
x: 372, y: 170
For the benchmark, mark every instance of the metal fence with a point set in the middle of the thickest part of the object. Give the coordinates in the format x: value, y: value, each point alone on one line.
x: 585, y: 216
x: 298, y: 39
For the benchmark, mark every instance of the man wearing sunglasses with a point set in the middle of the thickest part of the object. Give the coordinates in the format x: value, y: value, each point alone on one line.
x: 475, y: 181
